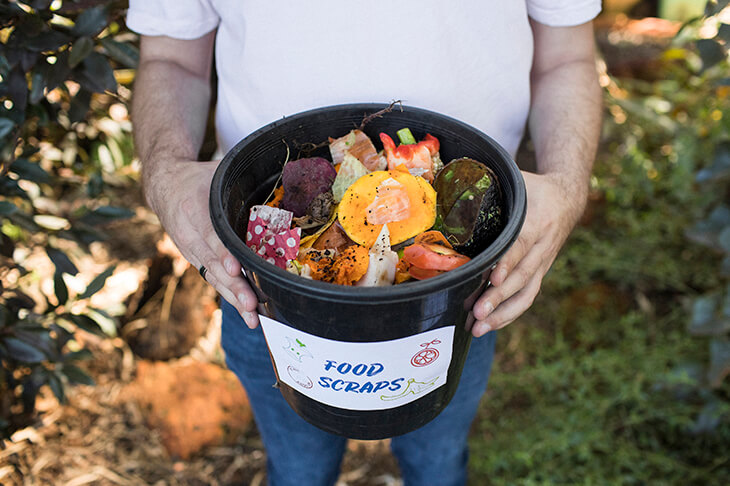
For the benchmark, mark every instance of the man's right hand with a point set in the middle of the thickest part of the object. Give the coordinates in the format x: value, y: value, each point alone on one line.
x: 170, y: 109
x: 179, y: 197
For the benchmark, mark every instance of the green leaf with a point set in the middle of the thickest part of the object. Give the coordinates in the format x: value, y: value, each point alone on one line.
x: 17, y: 89
x: 723, y: 32
x: 59, y: 288
x: 687, y: 373
x: 28, y: 60
x: 715, y: 7
x: 86, y: 323
x: 711, y: 52
x: 715, y: 326
x: 4, y: 316
x: 57, y: 72
x: 724, y: 239
x: 31, y: 386
x: 720, y: 168
x: 19, y: 222
x: 21, y: 351
x: 706, y: 231
x: 10, y: 188
x: 5, y: 66
x: 83, y: 234
x: 704, y: 310
x: 77, y: 375
x: 61, y: 261
x: 90, y: 22
x: 719, y: 361
x: 20, y: 300
x: 108, y: 323
x: 6, y: 208
x: 98, y: 283
x: 725, y: 267
x: 79, y: 106
x: 96, y: 74
x: 39, y: 4
x: 62, y: 335
x: 95, y: 186
x: 38, y: 337
x: 56, y: 386
x: 30, y: 171
x: 122, y: 52
x: 11, y: 11
x: 47, y: 41
x: 28, y: 26
x: 37, y: 86
x: 708, y: 419
x: 79, y: 50
x: 105, y: 214
x: 7, y: 246
x: 6, y: 126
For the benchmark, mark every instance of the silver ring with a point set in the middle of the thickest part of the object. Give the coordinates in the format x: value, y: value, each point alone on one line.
x: 202, y: 270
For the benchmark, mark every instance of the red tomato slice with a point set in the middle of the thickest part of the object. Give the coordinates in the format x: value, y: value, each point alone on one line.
x: 422, y: 273
x: 429, y: 258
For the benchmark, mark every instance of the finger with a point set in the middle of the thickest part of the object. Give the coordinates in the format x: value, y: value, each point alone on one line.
x: 510, y: 309
x: 517, y: 279
x: 514, y: 255
x: 232, y: 267
x: 228, y: 261
x: 234, y: 290
x: 207, y: 248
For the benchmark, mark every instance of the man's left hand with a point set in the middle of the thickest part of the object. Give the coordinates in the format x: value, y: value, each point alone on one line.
x: 515, y: 281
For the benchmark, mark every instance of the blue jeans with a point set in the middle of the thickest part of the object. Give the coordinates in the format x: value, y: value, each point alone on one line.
x: 300, y: 453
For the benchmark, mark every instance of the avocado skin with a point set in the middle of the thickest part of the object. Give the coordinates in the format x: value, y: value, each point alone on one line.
x: 489, y: 223
x: 489, y: 220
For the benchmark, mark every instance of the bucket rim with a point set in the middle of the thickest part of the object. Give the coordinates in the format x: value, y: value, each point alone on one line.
x: 251, y: 262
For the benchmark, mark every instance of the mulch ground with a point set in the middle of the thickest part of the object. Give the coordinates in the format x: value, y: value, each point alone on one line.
x: 180, y: 421
x: 135, y: 428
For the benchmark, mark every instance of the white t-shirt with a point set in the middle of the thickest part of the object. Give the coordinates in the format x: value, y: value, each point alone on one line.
x: 469, y: 59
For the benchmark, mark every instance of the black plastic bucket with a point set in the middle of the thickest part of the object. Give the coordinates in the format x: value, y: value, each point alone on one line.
x: 410, y: 313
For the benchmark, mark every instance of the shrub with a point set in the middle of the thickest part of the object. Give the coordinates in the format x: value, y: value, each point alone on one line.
x: 63, y: 65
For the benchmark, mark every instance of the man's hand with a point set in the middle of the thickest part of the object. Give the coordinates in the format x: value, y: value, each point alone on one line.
x: 516, y: 280
x: 180, y: 200
x: 565, y: 119
x: 170, y: 109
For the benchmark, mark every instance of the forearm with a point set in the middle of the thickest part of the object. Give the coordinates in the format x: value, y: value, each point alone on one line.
x: 169, y: 110
x: 565, y: 121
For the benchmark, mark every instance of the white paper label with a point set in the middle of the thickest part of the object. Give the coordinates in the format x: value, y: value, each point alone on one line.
x: 360, y: 376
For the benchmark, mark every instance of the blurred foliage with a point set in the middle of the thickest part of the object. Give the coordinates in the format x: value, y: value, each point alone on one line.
x: 603, y: 381
x: 65, y: 140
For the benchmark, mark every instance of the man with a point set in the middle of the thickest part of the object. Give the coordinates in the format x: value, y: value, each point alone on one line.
x: 488, y: 65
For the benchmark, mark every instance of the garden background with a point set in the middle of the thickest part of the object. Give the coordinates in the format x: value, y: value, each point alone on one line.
x: 111, y: 371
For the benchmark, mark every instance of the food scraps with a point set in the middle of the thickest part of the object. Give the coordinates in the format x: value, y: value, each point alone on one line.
x: 344, y: 226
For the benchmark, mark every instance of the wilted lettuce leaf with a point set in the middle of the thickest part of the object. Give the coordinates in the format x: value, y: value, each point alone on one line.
x: 350, y: 171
